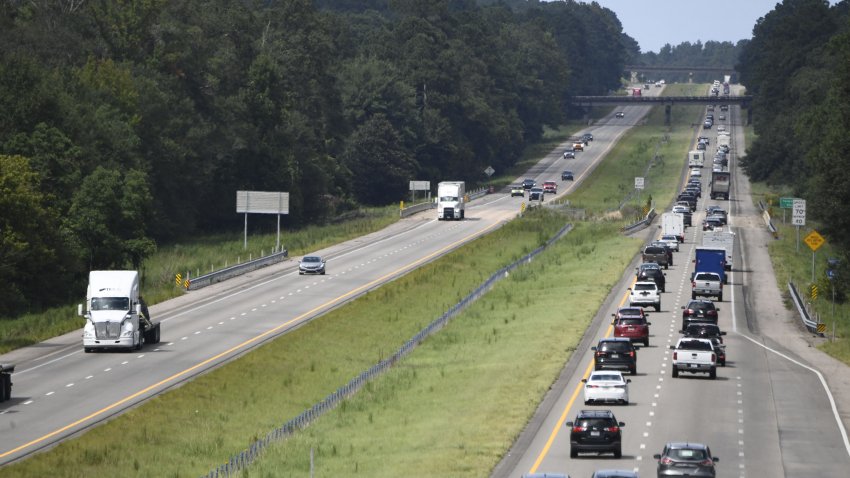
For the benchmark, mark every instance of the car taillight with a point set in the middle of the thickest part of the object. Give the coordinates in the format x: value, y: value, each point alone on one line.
x: 612, y: 429
x: 666, y: 461
x: 707, y: 462
x: 599, y: 353
x: 592, y: 386
x: 579, y: 429
x: 693, y: 284
x: 713, y: 357
x: 711, y: 312
x: 690, y: 311
x: 675, y: 355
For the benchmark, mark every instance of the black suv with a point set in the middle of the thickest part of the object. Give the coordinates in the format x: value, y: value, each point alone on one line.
x: 699, y: 311
x: 595, y: 431
x: 615, y: 354
x: 651, y: 271
x: 528, y: 183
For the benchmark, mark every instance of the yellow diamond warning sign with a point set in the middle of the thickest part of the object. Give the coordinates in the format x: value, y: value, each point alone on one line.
x: 814, y: 240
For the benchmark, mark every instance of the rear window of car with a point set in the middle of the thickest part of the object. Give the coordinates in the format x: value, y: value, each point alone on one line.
x: 646, y: 286
x: 621, y: 346
x: 707, y: 276
x: 632, y: 311
x: 631, y: 322
x: 593, y: 422
x: 605, y: 378
x: 654, y: 250
x: 701, y: 305
x: 695, y: 345
x: 687, y: 454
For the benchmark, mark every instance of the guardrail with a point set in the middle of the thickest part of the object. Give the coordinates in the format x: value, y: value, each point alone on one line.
x: 765, y: 215
x: 237, y: 270
x: 642, y: 223
x: 244, y: 459
x: 424, y: 206
x: 803, y: 308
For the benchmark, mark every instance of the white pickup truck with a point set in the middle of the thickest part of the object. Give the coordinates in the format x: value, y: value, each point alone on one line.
x: 695, y: 356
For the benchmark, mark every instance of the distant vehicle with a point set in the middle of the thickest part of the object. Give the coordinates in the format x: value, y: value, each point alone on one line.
x: 596, y: 431
x: 311, y: 265
x: 720, y: 182
x: 528, y: 183
x: 685, y: 211
x: 451, y: 199
x: 711, y: 224
x: 711, y: 259
x: 550, y: 187
x: 631, y: 323
x: 645, y: 294
x: 671, y: 240
x: 646, y: 86
x: 6, y: 371
x: 673, y: 224
x: 606, y: 387
x: 517, y: 190
x: 615, y: 354
x: 695, y: 457
x: 614, y: 474
x: 651, y: 271
x: 656, y: 254
x: 694, y: 356
x: 707, y: 124
x: 619, y: 114
x: 699, y: 310
x: 569, y: 154
x: 707, y: 284
x: 578, y: 146
x: 696, y: 159
x: 722, y: 117
x: 587, y: 137
x: 636, y: 92
x: 567, y: 175
x: 535, y: 194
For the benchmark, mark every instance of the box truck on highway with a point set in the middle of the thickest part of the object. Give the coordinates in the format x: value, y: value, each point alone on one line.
x: 696, y: 158
x: 450, y: 200
x: 6, y: 381
x: 116, y: 316
x: 721, y: 239
x: 673, y: 224
x: 720, y: 181
x: 711, y: 259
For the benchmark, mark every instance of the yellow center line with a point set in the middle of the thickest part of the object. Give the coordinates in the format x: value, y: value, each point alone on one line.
x: 563, y: 418
x: 253, y: 340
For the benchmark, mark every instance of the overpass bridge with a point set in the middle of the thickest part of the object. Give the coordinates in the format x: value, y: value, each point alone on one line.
x: 668, y: 102
x: 690, y: 70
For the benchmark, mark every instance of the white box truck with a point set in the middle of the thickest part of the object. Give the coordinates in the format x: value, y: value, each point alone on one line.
x: 116, y: 316
x: 721, y: 240
x: 673, y: 224
x: 451, y: 196
x: 696, y: 158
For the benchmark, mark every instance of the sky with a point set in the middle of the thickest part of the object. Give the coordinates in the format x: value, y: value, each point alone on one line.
x: 656, y: 22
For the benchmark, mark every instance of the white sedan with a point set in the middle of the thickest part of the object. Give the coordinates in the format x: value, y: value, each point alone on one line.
x: 671, y: 240
x: 606, y: 386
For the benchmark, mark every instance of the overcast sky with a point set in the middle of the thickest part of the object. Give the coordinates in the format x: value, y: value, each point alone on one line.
x: 656, y: 22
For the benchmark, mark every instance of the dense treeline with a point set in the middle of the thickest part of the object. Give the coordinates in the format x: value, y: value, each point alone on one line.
x: 128, y: 123
x: 797, y: 66
x: 709, y: 54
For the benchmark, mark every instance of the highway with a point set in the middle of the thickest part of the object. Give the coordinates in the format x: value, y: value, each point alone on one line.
x: 59, y: 390
x: 767, y: 413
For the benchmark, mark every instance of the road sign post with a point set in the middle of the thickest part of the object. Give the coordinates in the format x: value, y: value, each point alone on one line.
x: 798, y: 216
x: 785, y: 203
x: 814, y: 241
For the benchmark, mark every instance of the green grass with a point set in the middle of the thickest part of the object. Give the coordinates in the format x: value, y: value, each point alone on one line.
x: 212, y: 252
x: 796, y: 266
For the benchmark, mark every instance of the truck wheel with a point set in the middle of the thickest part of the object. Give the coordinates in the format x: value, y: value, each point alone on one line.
x: 712, y: 374
x: 693, y: 296
x: 633, y: 370
x: 675, y: 372
x: 646, y: 342
x: 156, y: 335
x: 720, y: 298
x: 87, y: 350
x: 667, y: 266
x: 573, y: 453
x: 618, y: 452
x: 658, y: 307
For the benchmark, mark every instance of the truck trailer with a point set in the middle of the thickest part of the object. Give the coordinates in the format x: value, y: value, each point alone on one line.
x: 720, y: 182
x: 673, y: 224
x: 696, y: 158
x: 721, y: 239
x: 6, y: 381
x: 116, y: 315
x: 450, y: 200
x: 711, y: 259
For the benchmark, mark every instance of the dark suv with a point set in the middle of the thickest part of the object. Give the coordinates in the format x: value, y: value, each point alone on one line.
x: 615, y: 354
x: 686, y: 459
x: 657, y: 254
x: 595, y: 431
x: 651, y: 271
x: 699, y: 311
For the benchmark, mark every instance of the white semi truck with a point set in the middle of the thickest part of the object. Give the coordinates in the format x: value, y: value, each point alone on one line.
x: 116, y: 316
x: 451, y: 196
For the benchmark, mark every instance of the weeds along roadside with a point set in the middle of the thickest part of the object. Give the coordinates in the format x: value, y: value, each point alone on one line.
x: 221, y: 412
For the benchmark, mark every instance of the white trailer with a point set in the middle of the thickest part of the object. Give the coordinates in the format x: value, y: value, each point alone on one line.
x: 451, y: 197
x: 116, y: 316
x: 721, y: 240
x: 673, y: 224
x: 696, y: 158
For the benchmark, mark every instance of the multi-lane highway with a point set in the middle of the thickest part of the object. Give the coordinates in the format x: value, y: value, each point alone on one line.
x: 767, y: 413
x: 59, y: 390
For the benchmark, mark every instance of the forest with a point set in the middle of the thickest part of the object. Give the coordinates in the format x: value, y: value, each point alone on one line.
x: 127, y: 124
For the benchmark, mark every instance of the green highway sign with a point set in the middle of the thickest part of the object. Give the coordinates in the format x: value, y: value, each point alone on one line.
x: 786, y: 203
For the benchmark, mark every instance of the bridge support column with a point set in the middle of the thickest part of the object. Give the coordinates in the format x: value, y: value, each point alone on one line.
x: 667, y: 113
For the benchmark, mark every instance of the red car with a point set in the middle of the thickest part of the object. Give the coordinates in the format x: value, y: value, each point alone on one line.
x: 550, y: 187
x: 631, y: 323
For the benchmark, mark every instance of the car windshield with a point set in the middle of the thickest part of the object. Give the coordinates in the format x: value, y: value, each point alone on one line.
x: 448, y: 198
x: 312, y: 259
x: 110, y: 303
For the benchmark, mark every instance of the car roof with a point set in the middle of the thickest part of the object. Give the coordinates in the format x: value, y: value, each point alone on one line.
x: 596, y: 413
x: 615, y: 474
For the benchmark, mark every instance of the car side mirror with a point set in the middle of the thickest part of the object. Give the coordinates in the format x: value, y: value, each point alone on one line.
x: 672, y: 347
x: 584, y: 380
x: 621, y: 424
x: 683, y: 307
x: 592, y: 348
x: 569, y: 424
x: 664, y: 273
x: 628, y: 380
x: 722, y: 333
x: 717, y: 309
x: 629, y: 288
x: 656, y: 456
x: 649, y: 323
x: 80, y: 309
